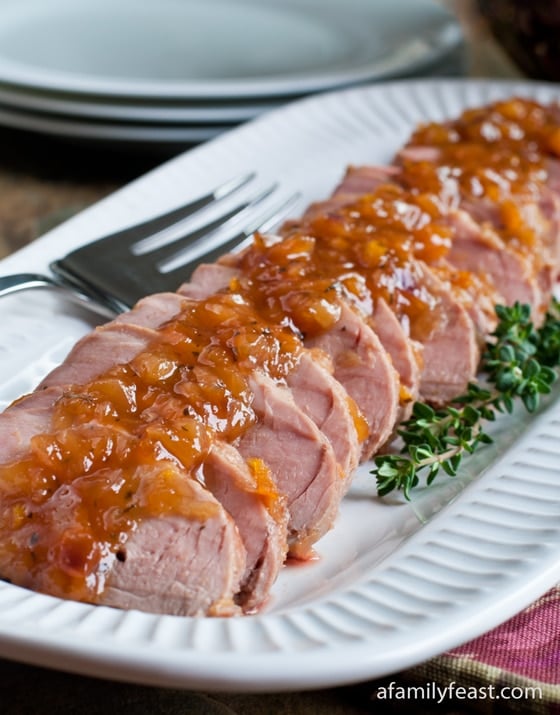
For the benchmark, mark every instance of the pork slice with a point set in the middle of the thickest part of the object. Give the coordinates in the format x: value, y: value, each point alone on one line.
x: 302, y: 463
x: 261, y: 516
x: 406, y: 355
x: 419, y: 153
x: 262, y: 529
x: 360, y: 363
x: 475, y: 292
x: 482, y: 251
x: 22, y: 419
x: 365, y: 370
x: 364, y: 179
x: 208, y: 278
x: 552, y: 207
x: 131, y: 332
x: 152, y: 311
x: 316, y: 391
x: 357, y: 181
x: 173, y: 564
x: 116, y: 342
x: 113, y: 344
x: 178, y: 568
x: 450, y: 346
x: 541, y: 213
x: 179, y: 565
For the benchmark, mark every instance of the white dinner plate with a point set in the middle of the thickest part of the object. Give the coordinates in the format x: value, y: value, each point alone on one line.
x: 184, y: 111
x: 101, y: 131
x: 155, y: 123
x: 216, y: 48
x: 112, y: 109
x: 394, y: 584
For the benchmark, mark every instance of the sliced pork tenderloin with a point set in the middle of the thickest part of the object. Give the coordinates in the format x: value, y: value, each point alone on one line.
x: 189, y: 563
x: 181, y: 566
x: 322, y: 398
x: 381, y: 329
x: 320, y: 466
x: 360, y: 363
x: 480, y: 249
x: 260, y: 512
x: 301, y: 460
x: 503, y: 160
x: 27, y: 416
x: 474, y: 247
x: 370, y: 205
x: 363, y: 367
x: 267, y: 535
x: 405, y: 353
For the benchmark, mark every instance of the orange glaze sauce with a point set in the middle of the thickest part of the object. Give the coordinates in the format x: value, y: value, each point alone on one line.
x: 123, y: 447
x: 364, y: 250
x: 499, y: 154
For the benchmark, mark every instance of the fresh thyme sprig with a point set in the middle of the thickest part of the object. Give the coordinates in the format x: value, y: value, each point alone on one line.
x: 519, y: 363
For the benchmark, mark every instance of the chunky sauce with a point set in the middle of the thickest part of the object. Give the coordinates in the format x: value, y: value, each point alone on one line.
x: 364, y: 250
x: 500, y: 156
x: 123, y: 447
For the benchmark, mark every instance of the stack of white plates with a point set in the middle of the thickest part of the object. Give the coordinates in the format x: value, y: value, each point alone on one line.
x: 182, y: 71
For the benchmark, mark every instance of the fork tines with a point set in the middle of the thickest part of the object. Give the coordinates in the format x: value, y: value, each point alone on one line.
x: 161, y: 253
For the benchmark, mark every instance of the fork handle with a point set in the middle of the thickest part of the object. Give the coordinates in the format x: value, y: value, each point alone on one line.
x: 25, y: 281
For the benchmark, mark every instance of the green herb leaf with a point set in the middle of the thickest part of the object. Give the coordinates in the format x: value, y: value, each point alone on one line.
x: 519, y: 362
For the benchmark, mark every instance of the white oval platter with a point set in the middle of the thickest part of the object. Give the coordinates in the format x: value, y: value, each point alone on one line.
x: 395, y: 584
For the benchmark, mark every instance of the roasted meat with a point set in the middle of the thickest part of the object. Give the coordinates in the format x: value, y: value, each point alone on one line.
x: 184, y: 450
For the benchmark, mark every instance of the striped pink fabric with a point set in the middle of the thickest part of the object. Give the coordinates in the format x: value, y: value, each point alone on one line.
x: 528, y: 645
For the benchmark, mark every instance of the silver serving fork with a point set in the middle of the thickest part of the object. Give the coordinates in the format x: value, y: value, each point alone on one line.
x: 110, y: 274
